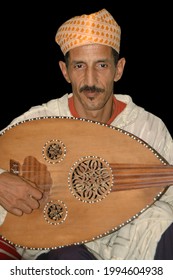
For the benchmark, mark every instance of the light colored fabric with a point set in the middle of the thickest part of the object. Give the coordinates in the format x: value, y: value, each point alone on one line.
x: 96, y: 28
x: 137, y: 239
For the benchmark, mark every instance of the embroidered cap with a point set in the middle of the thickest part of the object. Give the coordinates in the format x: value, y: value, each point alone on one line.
x: 96, y: 28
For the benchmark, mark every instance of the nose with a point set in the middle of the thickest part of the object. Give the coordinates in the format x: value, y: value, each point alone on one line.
x: 90, y: 76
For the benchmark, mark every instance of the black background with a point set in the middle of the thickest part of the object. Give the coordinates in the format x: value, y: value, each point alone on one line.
x: 30, y: 73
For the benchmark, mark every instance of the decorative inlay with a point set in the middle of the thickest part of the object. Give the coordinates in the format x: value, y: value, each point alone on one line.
x: 54, y: 151
x: 55, y: 212
x: 90, y: 179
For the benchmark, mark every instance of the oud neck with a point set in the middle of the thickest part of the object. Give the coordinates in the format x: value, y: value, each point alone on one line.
x: 135, y: 176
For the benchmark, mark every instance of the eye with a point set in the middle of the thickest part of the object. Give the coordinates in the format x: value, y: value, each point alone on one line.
x: 78, y: 66
x: 102, y: 65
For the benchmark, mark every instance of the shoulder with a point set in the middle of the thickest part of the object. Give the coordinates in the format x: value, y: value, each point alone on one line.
x: 147, y: 126
x: 134, y: 115
x: 54, y: 107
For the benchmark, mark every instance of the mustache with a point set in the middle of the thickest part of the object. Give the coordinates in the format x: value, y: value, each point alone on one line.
x: 91, y: 89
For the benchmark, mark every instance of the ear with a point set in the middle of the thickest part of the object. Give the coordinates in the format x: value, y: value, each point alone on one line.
x: 64, y: 71
x: 119, y: 69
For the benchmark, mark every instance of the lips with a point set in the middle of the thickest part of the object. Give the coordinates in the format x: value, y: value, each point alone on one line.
x: 91, y: 95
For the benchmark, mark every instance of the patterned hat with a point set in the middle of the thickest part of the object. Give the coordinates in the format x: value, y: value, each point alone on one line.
x: 96, y: 28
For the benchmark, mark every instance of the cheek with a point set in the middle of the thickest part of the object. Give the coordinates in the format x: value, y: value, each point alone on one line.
x: 107, y: 79
x: 75, y: 86
x: 109, y: 84
x: 77, y: 79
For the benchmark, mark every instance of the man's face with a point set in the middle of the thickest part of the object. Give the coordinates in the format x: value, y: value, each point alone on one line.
x: 91, y: 71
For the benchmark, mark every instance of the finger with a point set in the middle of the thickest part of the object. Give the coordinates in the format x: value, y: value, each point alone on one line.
x: 32, y: 202
x: 33, y: 190
x: 17, y: 211
x: 24, y: 206
x: 36, y: 193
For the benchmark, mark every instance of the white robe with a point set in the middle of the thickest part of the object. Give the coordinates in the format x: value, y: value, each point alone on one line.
x: 138, y: 239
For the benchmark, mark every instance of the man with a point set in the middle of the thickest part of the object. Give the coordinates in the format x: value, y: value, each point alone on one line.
x: 91, y: 46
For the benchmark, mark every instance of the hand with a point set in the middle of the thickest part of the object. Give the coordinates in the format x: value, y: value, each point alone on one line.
x: 17, y: 195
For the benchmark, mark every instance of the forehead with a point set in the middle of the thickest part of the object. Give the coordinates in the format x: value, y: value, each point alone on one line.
x: 91, y: 50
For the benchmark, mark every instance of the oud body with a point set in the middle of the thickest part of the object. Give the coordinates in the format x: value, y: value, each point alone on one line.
x: 95, y: 177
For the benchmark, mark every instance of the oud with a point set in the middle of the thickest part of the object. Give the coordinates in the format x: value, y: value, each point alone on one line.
x: 95, y: 178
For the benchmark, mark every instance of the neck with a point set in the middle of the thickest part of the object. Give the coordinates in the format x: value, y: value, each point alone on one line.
x: 100, y: 115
